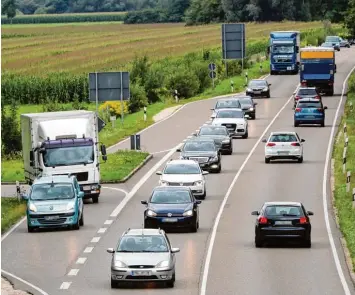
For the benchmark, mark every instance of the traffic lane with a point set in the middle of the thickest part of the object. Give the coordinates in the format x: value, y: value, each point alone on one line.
x: 94, y: 277
x: 44, y: 257
x: 277, y: 270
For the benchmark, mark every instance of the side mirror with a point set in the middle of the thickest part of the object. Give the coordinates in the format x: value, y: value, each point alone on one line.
x: 213, y: 116
x: 310, y: 213
x: 194, y: 134
x: 302, y: 140
x: 32, y: 158
x: 198, y: 202
x: 103, y: 150
x: 175, y: 250
x: 24, y: 197
x: 144, y: 202
x: 178, y: 150
x: 212, y: 109
x: 246, y: 116
x: 205, y: 172
x: 158, y: 173
x: 81, y: 194
x: 269, y: 84
x: 255, y: 103
x: 104, y: 158
x: 264, y: 140
x: 325, y: 108
x: 110, y: 250
x: 255, y: 213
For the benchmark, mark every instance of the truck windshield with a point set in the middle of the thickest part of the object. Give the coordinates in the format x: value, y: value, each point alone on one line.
x: 52, y: 191
x: 282, y: 49
x: 67, y: 156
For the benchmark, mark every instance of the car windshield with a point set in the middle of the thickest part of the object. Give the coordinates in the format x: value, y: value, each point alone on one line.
x: 227, y: 104
x: 182, y: 169
x: 52, y: 191
x: 230, y: 114
x: 257, y: 84
x: 283, y: 49
x: 332, y: 39
x: 283, y: 138
x: 309, y: 105
x: 327, y: 45
x: 171, y: 197
x: 198, y: 146
x: 67, y: 156
x: 307, y: 91
x: 283, y: 210
x: 213, y: 131
x: 143, y: 243
x: 246, y: 101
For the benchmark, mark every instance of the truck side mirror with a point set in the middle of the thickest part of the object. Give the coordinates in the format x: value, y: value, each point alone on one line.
x: 268, y: 50
x: 103, y: 150
x: 32, y: 158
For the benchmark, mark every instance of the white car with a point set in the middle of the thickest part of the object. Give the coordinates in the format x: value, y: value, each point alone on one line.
x: 283, y: 146
x: 184, y: 173
x: 234, y: 119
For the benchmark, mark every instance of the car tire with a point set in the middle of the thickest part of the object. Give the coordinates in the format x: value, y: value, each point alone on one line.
x: 81, y: 221
x: 194, y: 227
x: 76, y: 226
x: 95, y: 199
x: 300, y: 160
x: 230, y: 152
x: 267, y: 160
x: 322, y: 124
x: 272, y: 73
x: 258, y: 242
x: 171, y: 283
x: 245, y: 136
x: 114, y: 284
x: 307, y: 243
x: 147, y: 225
x: 268, y: 95
x: 296, y: 124
x: 30, y: 229
x: 253, y: 117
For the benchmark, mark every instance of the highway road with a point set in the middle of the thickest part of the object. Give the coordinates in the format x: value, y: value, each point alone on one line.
x: 77, y: 262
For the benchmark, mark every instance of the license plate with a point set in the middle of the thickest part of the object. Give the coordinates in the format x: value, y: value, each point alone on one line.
x: 283, y: 153
x: 310, y: 117
x: 170, y: 220
x: 87, y: 187
x: 230, y: 126
x: 283, y: 222
x: 51, y: 217
x: 257, y: 92
x: 141, y: 273
x: 289, y: 68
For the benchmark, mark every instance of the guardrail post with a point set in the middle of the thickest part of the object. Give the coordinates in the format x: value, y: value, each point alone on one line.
x: 176, y: 96
x: 348, y: 176
x: 345, y: 129
x: 346, y: 142
x: 344, y: 161
x: 232, y: 86
x: 18, y: 190
x: 351, y: 106
x: 145, y: 113
x: 261, y: 67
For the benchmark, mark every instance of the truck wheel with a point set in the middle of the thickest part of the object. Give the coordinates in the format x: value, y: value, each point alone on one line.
x: 272, y: 72
x: 95, y: 199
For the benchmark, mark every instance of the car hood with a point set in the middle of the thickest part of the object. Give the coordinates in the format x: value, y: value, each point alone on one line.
x: 51, y: 206
x: 216, y: 138
x: 170, y: 208
x: 181, y: 177
x: 199, y: 154
x: 219, y: 121
x: 141, y: 258
x: 246, y: 106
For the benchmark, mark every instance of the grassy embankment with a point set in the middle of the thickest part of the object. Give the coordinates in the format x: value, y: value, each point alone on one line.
x: 11, y: 211
x: 342, y: 199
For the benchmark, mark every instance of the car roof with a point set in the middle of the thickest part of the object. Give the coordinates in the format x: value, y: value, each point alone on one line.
x: 309, y: 100
x: 282, y: 203
x: 54, y: 178
x: 189, y: 162
x: 144, y: 231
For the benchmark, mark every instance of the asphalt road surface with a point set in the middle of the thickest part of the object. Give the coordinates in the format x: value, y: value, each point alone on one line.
x: 52, y: 260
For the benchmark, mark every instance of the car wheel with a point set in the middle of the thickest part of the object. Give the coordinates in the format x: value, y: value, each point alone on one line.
x: 268, y: 95
x: 245, y: 135
x: 230, y: 151
x: 204, y: 194
x: 295, y: 124
x: 170, y: 284
x: 322, y: 124
x: 147, y: 225
x: 300, y: 160
x: 95, y: 199
x: 81, y: 221
x: 258, y: 242
x: 307, y: 243
x: 267, y: 160
x: 114, y: 284
x: 76, y: 226
x: 194, y: 227
x: 30, y: 229
x: 253, y: 117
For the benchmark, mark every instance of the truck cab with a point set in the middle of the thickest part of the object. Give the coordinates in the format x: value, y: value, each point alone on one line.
x: 54, y: 201
x: 283, y: 51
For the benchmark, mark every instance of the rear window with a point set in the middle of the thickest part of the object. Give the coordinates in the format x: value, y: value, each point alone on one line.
x: 307, y: 92
x: 283, y: 138
x: 279, y: 210
x: 306, y: 105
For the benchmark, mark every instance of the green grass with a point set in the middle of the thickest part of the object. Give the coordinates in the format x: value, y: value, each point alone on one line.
x: 11, y: 211
x: 117, y: 167
x: 343, y: 200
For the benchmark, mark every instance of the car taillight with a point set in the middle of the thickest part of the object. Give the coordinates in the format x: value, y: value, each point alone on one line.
x: 271, y: 144
x: 320, y: 110
x: 298, y: 110
x: 330, y: 83
x: 303, y: 220
x: 295, y: 144
x: 317, y: 97
x: 262, y: 220
x: 304, y: 83
x: 297, y: 97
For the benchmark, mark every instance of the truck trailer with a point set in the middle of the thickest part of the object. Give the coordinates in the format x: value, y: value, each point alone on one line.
x: 283, y: 51
x: 62, y: 143
x: 318, y: 69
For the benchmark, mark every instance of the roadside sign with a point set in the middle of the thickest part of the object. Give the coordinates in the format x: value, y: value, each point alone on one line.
x: 101, y: 124
x: 212, y: 75
x: 212, y: 67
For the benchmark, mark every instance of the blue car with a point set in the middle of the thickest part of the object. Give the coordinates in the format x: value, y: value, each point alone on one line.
x: 172, y: 207
x: 55, y: 201
x: 309, y: 112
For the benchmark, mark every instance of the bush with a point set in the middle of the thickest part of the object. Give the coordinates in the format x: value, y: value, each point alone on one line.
x: 185, y: 82
x: 114, y: 108
x: 138, y: 98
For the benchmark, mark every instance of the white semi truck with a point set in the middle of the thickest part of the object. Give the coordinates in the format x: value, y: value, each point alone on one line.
x: 57, y: 143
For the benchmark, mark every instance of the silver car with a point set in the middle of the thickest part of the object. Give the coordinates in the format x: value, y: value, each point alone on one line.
x: 143, y: 255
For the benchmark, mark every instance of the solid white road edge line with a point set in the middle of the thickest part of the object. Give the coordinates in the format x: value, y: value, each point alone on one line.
x: 24, y: 282
x: 178, y: 110
x: 115, y: 189
x: 225, y: 199
x: 13, y: 228
x: 325, y: 197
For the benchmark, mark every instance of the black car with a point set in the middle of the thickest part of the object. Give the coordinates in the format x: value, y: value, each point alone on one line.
x: 172, y: 207
x: 225, y: 103
x: 204, y: 151
x: 248, y: 106
x: 258, y: 87
x: 306, y: 92
x: 220, y: 135
x: 283, y: 220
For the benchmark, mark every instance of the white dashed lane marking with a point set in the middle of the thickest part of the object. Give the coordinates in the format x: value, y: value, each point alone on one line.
x: 95, y: 239
x: 65, y: 285
x: 81, y: 260
x: 102, y: 230
x: 73, y: 272
x: 108, y: 222
x: 88, y: 249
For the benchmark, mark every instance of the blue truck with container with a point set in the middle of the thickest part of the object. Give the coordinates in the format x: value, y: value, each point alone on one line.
x: 283, y: 51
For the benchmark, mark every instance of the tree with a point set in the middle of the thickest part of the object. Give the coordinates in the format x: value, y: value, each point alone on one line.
x: 9, y: 8
x: 350, y: 18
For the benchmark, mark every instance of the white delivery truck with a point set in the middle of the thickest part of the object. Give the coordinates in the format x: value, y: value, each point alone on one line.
x: 58, y: 143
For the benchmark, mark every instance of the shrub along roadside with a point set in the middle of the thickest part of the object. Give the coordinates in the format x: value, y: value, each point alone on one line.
x: 11, y: 211
x: 342, y: 199
x: 118, y: 166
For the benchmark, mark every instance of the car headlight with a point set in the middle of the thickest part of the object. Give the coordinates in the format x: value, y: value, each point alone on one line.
x: 163, y: 182
x: 119, y: 264
x: 265, y: 89
x: 200, y: 182
x: 162, y: 264
x: 151, y: 213
x: 70, y: 206
x: 94, y: 187
x: 251, y: 109
x: 188, y: 213
x: 249, y: 90
x: 215, y: 158
x: 226, y: 141
x: 32, y: 208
